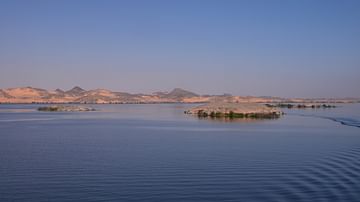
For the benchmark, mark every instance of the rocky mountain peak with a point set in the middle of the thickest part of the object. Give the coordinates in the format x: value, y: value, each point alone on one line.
x: 58, y: 90
x: 76, y: 91
x: 178, y: 92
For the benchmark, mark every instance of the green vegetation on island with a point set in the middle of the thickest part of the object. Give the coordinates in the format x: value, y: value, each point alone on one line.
x: 233, y: 115
x: 64, y: 108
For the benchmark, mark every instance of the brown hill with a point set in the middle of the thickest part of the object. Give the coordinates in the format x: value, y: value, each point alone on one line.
x: 79, y: 95
x: 5, y: 95
x: 179, y: 93
x: 75, y: 92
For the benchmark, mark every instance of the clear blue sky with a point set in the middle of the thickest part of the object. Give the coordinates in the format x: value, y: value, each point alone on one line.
x: 285, y: 48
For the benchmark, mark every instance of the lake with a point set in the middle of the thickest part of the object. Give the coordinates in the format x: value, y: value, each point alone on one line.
x: 155, y: 152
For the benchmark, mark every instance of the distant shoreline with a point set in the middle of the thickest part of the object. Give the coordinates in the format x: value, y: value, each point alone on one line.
x: 77, y: 95
x: 120, y: 103
x: 135, y: 103
x: 79, y: 103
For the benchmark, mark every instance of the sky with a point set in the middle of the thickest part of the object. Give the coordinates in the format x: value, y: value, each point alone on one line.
x: 263, y: 48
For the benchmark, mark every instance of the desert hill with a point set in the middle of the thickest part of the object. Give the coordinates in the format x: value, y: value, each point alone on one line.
x: 75, y: 92
x: 80, y: 95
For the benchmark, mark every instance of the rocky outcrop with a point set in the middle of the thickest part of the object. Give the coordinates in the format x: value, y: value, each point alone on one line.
x: 235, y: 110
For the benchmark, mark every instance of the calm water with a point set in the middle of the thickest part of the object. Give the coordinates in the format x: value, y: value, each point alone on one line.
x: 157, y: 153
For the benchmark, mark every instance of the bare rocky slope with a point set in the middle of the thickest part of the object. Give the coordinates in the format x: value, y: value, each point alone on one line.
x: 99, y: 96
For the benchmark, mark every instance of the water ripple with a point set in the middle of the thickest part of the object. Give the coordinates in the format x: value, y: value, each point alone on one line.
x: 344, y: 121
x: 335, y: 178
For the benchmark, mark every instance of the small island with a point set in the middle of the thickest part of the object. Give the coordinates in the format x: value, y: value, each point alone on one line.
x: 65, y: 108
x: 235, y: 110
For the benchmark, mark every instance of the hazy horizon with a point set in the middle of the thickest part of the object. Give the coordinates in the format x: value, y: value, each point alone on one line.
x: 259, y: 48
